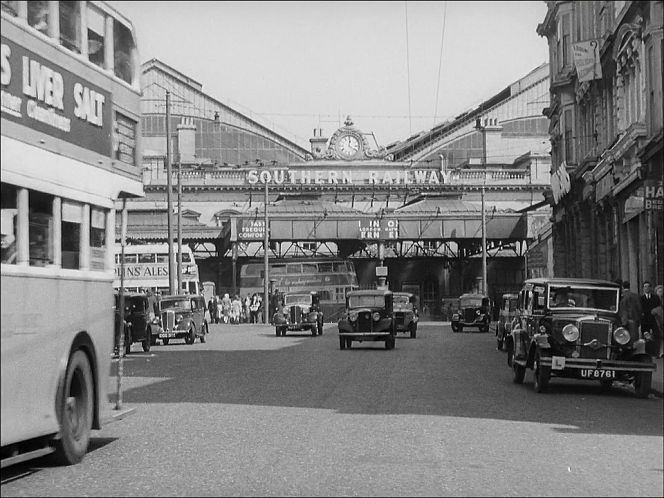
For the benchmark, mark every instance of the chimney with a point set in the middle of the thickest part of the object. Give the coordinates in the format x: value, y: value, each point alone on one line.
x: 318, y: 143
x: 187, y: 141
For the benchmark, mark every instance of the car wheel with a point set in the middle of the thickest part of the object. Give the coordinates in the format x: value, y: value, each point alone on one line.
x: 147, y: 342
x: 277, y: 331
x: 153, y: 340
x: 314, y: 330
x: 519, y: 372
x: 642, y: 381
x: 455, y: 328
x: 165, y: 341
x: 342, y: 343
x: 500, y: 341
x: 460, y: 327
x: 204, y: 330
x: 542, y: 375
x: 349, y: 342
x: 127, y: 341
x: 191, y: 337
x: 75, y: 407
x: 389, y: 342
x: 320, y: 328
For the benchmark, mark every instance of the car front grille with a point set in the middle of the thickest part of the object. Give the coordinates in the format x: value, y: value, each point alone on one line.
x: 168, y: 319
x: 364, y: 322
x: 400, y: 318
x: 469, y: 315
x: 295, y: 314
x: 595, y: 339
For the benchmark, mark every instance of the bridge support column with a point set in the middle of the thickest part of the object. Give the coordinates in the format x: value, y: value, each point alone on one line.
x: 234, y: 266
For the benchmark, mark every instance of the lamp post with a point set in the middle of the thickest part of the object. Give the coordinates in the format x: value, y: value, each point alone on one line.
x: 168, y: 192
x: 180, y: 226
x: 266, y: 248
x: 482, y: 129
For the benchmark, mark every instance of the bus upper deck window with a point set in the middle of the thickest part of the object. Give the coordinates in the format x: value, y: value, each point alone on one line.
x: 95, y: 20
x: 38, y: 16
x: 70, y: 26
x: 11, y: 7
x: 123, y: 50
x: 8, y: 219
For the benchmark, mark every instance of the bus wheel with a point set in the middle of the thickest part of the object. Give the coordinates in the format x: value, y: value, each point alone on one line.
x: 75, y: 408
x: 147, y: 342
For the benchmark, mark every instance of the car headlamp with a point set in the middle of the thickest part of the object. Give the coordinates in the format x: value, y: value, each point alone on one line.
x: 647, y: 335
x: 285, y: 310
x: 621, y: 336
x: 375, y: 316
x: 178, y: 319
x: 478, y: 312
x: 570, y: 332
x: 352, y: 316
x: 542, y: 329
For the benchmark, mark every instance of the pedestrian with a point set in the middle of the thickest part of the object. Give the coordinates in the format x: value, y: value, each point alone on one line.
x: 215, y: 309
x: 236, y: 309
x: 226, y: 308
x: 629, y: 310
x: 261, y: 310
x: 253, y: 308
x: 649, y: 329
x: 245, y: 306
x: 657, y: 312
x: 210, y: 310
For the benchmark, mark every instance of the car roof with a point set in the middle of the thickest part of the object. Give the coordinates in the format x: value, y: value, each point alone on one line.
x: 300, y: 293
x: 403, y: 294
x: 571, y: 281
x: 132, y: 294
x: 472, y: 294
x: 370, y: 292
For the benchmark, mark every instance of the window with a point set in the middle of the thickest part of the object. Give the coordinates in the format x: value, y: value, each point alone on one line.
x: 97, y: 239
x: 8, y: 219
x: 569, y: 137
x: 123, y: 52
x: 309, y: 268
x: 125, y: 139
x: 10, y: 7
x: 294, y: 268
x: 96, y: 28
x: 70, y: 26
x: 38, y: 16
x: 72, y: 217
x: 566, y: 41
x: 146, y: 258
x: 162, y: 258
x: 40, y: 228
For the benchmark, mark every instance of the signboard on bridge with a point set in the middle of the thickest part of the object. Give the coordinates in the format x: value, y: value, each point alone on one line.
x: 383, y: 229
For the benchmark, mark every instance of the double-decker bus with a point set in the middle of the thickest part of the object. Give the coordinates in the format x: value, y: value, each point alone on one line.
x: 146, y: 268
x: 331, y: 278
x: 69, y: 152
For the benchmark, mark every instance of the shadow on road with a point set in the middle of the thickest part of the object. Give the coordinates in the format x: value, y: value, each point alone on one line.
x: 438, y: 373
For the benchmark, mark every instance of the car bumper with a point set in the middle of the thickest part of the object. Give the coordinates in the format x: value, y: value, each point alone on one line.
x: 563, y: 363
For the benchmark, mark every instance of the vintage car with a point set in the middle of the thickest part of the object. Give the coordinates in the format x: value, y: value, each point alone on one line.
x: 474, y: 311
x: 571, y: 328
x: 183, y: 317
x: 507, y: 314
x: 139, y: 315
x: 369, y: 316
x: 301, y: 311
x: 405, y: 313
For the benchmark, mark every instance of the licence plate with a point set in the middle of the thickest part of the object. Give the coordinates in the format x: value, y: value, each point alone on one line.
x: 167, y: 336
x: 591, y: 373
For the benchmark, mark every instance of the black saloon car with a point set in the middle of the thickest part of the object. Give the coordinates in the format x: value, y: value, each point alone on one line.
x: 571, y: 328
x: 301, y: 311
x: 506, y: 315
x: 474, y: 311
x: 183, y: 317
x: 405, y: 313
x: 369, y: 316
x: 139, y: 315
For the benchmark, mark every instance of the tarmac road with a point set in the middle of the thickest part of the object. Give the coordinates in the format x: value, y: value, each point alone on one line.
x: 248, y: 414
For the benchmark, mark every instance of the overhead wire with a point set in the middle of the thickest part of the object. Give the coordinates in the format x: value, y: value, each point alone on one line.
x: 440, y: 64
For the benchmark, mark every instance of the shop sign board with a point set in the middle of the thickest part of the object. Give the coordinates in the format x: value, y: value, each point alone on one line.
x: 653, y: 195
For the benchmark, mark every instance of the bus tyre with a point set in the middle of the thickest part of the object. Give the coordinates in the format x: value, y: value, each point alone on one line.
x: 147, y: 342
x: 75, y: 408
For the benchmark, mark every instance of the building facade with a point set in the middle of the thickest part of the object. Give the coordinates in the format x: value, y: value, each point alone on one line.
x: 413, y: 206
x: 606, y: 135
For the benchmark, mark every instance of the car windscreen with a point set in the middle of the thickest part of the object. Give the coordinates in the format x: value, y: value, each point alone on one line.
x: 402, y: 303
x: 470, y: 302
x: 297, y: 298
x: 369, y: 301
x: 176, y: 304
x: 571, y: 296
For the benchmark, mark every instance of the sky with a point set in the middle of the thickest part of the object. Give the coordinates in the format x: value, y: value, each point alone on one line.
x: 397, y: 68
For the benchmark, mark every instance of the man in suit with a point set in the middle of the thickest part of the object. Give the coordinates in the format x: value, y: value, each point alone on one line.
x: 630, y: 310
x: 648, y: 324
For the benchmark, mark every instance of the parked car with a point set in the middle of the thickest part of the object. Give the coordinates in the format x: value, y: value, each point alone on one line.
x: 571, y: 328
x: 301, y: 311
x: 139, y: 315
x: 405, y: 313
x: 474, y: 311
x: 507, y: 314
x: 183, y: 317
x: 369, y: 316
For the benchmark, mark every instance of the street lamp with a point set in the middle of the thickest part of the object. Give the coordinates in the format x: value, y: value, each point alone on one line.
x: 168, y: 192
x: 482, y: 129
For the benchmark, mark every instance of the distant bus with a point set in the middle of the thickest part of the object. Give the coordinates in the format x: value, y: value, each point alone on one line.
x: 70, y: 148
x: 331, y: 277
x: 146, y: 268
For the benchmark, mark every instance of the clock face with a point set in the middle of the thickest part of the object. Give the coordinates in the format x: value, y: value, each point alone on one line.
x: 348, y: 146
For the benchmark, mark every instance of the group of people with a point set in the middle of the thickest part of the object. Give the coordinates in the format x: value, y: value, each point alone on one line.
x: 236, y: 310
x: 644, y: 314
